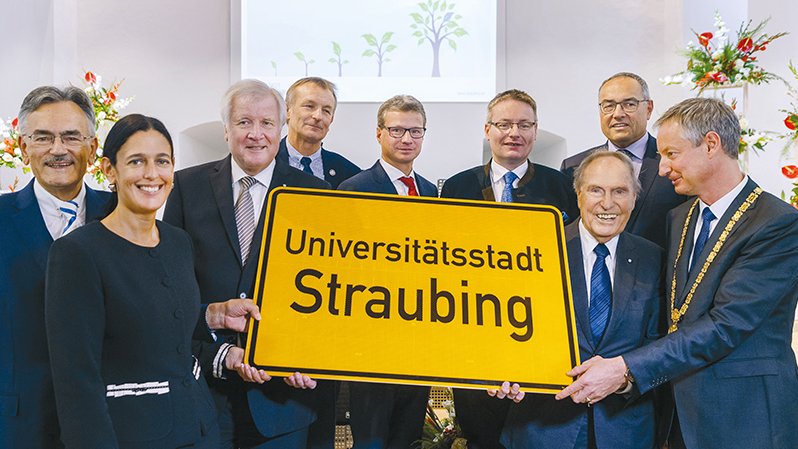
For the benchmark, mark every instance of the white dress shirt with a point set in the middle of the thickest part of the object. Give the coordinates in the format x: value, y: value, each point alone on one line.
x: 589, y: 257
x: 394, y: 174
x: 54, y: 219
x: 497, y: 173
x: 294, y: 158
x: 258, y: 190
x: 638, y: 149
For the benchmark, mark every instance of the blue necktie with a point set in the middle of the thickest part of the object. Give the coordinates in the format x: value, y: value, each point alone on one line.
x: 600, y: 293
x: 70, y: 211
x: 707, y: 216
x: 507, y: 193
x: 305, y: 161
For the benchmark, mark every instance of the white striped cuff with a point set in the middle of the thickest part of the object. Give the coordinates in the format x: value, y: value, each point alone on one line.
x: 218, y: 361
x: 135, y: 389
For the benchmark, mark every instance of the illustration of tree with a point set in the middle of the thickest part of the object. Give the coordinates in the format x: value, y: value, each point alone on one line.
x: 274, y: 66
x: 381, y: 48
x: 337, y: 58
x: 299, y: 55
x: 437, y: 23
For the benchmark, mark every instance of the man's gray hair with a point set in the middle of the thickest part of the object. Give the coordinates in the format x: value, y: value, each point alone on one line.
x: 634, y: 76
x: 50, y: 94
x: 321, y: 83
x: 698, y: 116
x: 249, y: 89
x: 600, y: 154
x: 401, y: 103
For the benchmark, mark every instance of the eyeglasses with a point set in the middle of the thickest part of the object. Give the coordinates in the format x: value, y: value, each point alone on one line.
x: 628, y: 106
x: 507, y: 126
x: 69, y: 139
x: 398, y: 132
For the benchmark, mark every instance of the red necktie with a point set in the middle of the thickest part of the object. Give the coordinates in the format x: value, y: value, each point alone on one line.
x: 411, y: 186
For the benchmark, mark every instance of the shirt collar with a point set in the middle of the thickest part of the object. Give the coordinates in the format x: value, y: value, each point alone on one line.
x: 394, y: 173
x: 296, y: 155
x: 589, y: 242
x: 638, y: 148
x: 48, y: 200
x: 264, y: 177
x: 497, y: 171
x: 720, y: 206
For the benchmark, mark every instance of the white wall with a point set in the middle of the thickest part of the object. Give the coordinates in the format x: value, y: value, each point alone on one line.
x: 175, y: 58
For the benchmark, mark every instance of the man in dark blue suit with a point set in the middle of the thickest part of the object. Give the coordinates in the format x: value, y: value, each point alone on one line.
x: 311, y: 104
x: 731, y: 284
x: 511, y: 129
x: 221, y: 205
x: 392, y: 416
x: 626, y: 317
x: 57, y: 139
x: 625, y: 106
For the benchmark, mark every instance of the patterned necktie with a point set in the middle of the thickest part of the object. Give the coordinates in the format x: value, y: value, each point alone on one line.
x: 600, y: 293
x: 69, y: 209
x: 707, y: 217
x: 411, y: 186
x: 305, y: 161
x: 245, y: 217
x: 507, y: 193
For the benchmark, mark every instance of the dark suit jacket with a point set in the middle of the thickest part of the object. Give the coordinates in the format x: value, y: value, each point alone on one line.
x: 336, y: 167
x: 375, y: 180
x: 540, y: 185
x: 637, y: 300
x: 482, y: 417
x: 733, y: 371
x: 202, y: 204
x: 27, y: 405
x: 656, y: 198
x: 386, y: 416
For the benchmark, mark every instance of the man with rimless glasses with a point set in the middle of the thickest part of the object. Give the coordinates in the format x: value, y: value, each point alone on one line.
x: 386, y: 416
x: 511, y: 129
x: 57, y: 140
x: 625, y: 107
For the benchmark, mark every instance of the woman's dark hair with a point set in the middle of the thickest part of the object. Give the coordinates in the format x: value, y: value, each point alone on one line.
x: 121, y: 132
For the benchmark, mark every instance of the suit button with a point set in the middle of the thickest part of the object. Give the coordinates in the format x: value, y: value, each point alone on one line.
x: 166, y: 282
x: 178, y: 313
x: 153, y: 253
x: 187, y: 381
x: 181, y: 349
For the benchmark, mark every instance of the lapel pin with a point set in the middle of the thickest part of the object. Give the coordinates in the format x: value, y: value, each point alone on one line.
x: 332, y: 172
x: 628, y: 260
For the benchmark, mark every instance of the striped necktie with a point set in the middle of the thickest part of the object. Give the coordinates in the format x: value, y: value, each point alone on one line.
x: 245, y: 217
x: 69, y: 209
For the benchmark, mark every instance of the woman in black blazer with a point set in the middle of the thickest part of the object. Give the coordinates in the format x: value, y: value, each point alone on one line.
x: 122, y: 304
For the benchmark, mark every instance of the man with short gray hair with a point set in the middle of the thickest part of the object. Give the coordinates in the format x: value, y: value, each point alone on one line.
x: 57, y: 140
x: 221, y: 205
x: 731, y: 284
x: 311, y: 104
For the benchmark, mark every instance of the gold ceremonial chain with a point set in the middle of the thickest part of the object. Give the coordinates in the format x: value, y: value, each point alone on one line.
x: 677, y: 314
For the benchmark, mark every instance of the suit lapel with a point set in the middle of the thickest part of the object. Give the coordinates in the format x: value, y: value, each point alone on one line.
x: 623, y: 283
x: 578, y: 285
x: 30, y: 227
x: 221, y: 179
x: 381, y: 180
x: 687, y: 252
x: 649, y: 171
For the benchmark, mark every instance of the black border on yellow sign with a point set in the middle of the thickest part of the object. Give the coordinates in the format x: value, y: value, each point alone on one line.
x: 403, y: 378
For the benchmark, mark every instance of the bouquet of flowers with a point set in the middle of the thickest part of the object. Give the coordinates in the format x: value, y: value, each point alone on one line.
x: 106, y: 110
x: 791, y: 120
x: 441, y: 433
x: 717, y: 62
x: 791, y: 172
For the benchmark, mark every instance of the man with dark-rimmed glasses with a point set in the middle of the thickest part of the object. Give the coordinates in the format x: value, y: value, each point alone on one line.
x: 387, y: 416
x: 625, y: 107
